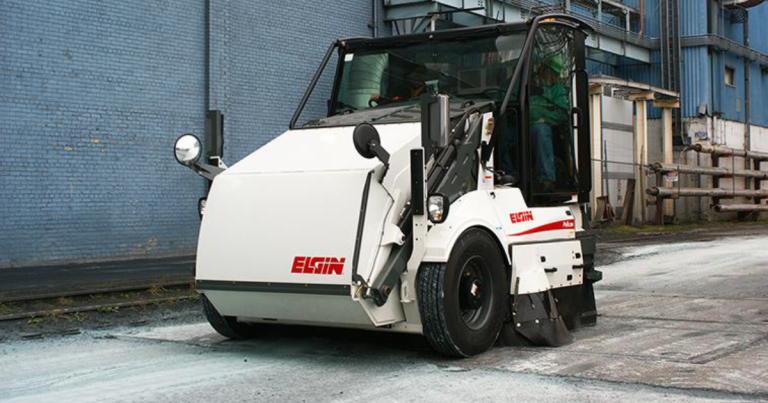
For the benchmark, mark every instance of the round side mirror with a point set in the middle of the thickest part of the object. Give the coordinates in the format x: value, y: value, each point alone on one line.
x: 362, y: 137
x: 187, y: 149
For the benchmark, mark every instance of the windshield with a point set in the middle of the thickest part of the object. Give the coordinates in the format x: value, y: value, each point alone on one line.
x: 373, y: 81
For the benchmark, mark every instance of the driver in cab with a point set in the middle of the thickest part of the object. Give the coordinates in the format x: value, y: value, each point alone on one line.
x: 412, y: 86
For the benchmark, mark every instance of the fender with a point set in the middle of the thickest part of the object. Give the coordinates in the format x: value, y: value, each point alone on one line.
x: 474, y: 209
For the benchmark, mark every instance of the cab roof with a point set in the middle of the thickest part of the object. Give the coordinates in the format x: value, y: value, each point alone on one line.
x: 351, y: 44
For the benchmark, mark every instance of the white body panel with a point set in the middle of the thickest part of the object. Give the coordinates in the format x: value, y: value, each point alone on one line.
x: 492, y: 209
x: 248, y: 236
x: 300, y: 196
x: 290, y: 308
x: 322, y: 149
x: 531, y: 263
x: 475, y: 209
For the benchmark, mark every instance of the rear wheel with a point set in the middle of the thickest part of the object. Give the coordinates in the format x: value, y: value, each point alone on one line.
x: 227, y: 326
x: 462, y: 302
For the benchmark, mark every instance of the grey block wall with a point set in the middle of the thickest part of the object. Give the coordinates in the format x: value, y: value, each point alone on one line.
x: 263, y: 57
x: 94, y: 93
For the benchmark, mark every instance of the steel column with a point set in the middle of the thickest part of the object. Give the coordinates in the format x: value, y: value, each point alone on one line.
x: 640, y: 136
x: 666, y: 121
x: 596, y: 134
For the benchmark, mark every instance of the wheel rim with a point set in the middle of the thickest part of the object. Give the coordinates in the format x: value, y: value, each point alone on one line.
x: 475, y: 293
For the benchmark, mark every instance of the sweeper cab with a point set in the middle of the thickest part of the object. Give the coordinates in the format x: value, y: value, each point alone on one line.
x: 442, y: 194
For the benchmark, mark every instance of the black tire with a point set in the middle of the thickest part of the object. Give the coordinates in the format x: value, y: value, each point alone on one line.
x: 459, y: 321
x: 227, y: 326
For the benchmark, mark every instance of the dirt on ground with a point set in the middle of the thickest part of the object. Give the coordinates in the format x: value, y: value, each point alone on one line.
x: 109, y: 314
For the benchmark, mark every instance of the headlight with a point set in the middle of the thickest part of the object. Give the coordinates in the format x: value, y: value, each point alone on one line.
x: 187, y: 149
x: 201, y: 206
x: 437, y: 208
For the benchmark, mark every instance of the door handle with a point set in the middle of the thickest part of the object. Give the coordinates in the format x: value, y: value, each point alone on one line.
x: 576, y: 117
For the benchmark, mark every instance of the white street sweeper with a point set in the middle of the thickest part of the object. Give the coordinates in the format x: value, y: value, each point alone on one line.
x: 442, y: 194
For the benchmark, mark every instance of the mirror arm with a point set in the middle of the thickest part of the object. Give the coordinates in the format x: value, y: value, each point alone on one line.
x: 382, y: 155
x: 217, y: 161
x: 207, y: 171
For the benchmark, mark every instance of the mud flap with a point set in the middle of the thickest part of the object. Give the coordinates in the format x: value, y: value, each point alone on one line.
x: 535, y: 321
x: 577, y: 304
x: 545, y: 318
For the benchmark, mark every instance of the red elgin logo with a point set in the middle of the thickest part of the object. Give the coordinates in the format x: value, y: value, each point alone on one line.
x: 522, y: 216
x: 318, y: 265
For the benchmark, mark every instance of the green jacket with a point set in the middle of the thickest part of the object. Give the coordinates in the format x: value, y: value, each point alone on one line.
x: 552, y: 105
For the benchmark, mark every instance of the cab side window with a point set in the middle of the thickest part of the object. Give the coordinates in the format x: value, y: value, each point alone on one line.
x: 550, y: 102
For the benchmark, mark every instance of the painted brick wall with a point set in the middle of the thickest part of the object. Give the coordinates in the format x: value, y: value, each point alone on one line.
x: 94, y: 93
x: 259, y: 75
x: 91, y: 94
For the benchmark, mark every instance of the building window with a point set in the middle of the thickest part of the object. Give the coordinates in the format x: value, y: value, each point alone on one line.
x: 729, y: 76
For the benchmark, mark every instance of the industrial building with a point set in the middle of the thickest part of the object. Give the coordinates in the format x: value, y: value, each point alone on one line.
x: 94, y: 93
x: 695, y: 67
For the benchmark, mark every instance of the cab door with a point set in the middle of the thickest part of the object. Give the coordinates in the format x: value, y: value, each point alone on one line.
x: 555, y: 139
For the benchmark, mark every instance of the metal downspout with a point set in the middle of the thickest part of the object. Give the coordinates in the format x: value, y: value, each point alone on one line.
x: 207, y: 54
x: 714, y: 55
x: 375, y: 18
x: 207, y: 69
x: 747, y: 65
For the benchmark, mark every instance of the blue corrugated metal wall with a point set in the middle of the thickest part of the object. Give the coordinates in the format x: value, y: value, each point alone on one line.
x: 730, y: 100
x: 703, y: 71
x: 703, y: 77
x: 641, y: 72
x: 651, y: 9
x: 595, y: 68
x: 759, y: 100
x: 732, y: 105
x: 693, y: 17
x: 758, y: 40
x: 696, y: 83
x: 758, y: 32
x: 695, y: 86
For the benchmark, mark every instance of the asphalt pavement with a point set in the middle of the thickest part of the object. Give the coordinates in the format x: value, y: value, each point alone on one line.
x: 679, y: 322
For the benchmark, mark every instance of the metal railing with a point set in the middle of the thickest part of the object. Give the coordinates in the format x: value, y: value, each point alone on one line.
x: 717, y: 172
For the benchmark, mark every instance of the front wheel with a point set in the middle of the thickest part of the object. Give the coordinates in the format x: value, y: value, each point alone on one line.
x: 227, y: 326
x: 462, y: 302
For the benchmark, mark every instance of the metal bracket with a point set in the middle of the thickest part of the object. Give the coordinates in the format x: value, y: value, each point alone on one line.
x: 207, y: 171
